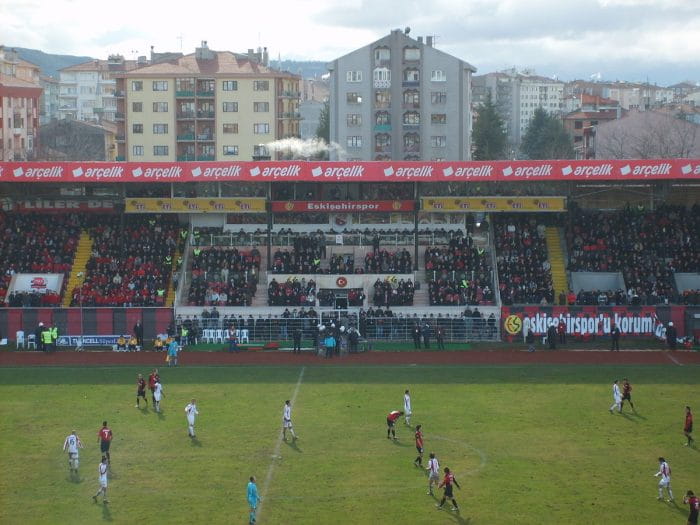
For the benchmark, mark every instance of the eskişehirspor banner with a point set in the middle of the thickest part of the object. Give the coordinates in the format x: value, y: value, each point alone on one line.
x: 389, y: 171
x: 591, y: 320
x: 342, y: 206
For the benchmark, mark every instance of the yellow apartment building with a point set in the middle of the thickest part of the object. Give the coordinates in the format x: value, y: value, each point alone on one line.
x: 208, y: 105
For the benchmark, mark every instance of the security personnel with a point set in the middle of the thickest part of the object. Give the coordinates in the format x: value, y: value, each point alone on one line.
x: 184, y: 334
x: 168, y: 260
x: 197, y: 251
x: 54, y: 336
x: 46, y: 339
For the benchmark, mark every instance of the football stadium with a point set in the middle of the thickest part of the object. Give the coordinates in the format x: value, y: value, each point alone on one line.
x: 484, y: 314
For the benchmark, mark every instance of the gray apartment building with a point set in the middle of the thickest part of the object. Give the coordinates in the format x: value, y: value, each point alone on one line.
x: 400, y: 98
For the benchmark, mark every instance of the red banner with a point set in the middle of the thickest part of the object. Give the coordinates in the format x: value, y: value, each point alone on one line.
x: 399, y: 171
x: 58, y: 205
x: 342, y: 206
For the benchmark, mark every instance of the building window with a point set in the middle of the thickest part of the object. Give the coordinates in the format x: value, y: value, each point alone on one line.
x: 260, y: 150
x: 382, y: 141
x: 137, y: 151
x: 262, y: 128
x: 353, y: 76
x: 354, y: 98
x: 354, y: 142
x: 411, y: 142
x: 411, y: 75
x: 160, y: 151
x: 438, y: 75
x: 261, y: 85
x: 382, y: 118
x: 261, y: 107
x: 230, y: 107
x: 137, y: 128
x: 411, y: 53
x: 412, y: 118
x: 160, y: 107
x: 382, y: 99
x: 411, y: 98
x: 438, y: 141
x: 160, y: 85
x: 230, y: 85
x: 578, y: 124
x: 382, y: 55
x: 160, y: 129
x: 382, y: 74
x: 136, y: 85
x: 230, y: 150
x: 230, y: 128
x: 594, y: 122
x: 438, y: 118
x: 354, y: 120
x: 137, y: 107
x: 438, y: 97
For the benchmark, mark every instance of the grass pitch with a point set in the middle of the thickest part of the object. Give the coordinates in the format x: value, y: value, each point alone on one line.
x: 529, y: 445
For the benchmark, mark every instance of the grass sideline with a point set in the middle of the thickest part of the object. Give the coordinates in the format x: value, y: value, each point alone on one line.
x: 533, y: 443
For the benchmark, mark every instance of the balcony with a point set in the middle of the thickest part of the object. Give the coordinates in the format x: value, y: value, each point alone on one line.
x: 205, y: 137
x: 289, y: 94
x: 185, y: 137
x: 205, y: 114
x: 68, y: 95
x: 120, y: 138
x: 205, y: 94
x: 382, y: 62
x: 119, y: 115
x: 184, y: 93
x: 382, y: 128
x: 120, y: 158
x: 410, y: 105
x: 411, y: 148
x: 382, y: 149
x: 119, y: 93
x: 206, y: 157
x: 410, y: 127
x: 17, y: 131
x: 185, y: 158
x: 289, y: 115
x: 185, y: 115
x: 410, y: 83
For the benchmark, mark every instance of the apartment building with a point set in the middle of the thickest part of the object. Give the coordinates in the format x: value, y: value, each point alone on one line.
x: 401, y: 98
x: 86, y: 91
x: 517, y: 94
x: 208, y: 105
x: 49, y: 101
x: 630, y: 95
x: 19, y: 106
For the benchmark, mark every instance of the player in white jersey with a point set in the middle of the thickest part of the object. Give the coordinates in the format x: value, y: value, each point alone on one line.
x: 191, y: 411
x: 407, y: 407
x: 72, y: 444
x: 665, y: 482
x: 617, y: 397
x: 433, y: 473
x: 102, y: 474
x: 287, y: 421
x: 157, y: 395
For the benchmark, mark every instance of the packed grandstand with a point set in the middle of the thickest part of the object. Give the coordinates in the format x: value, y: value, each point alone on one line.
x: 380, y: 254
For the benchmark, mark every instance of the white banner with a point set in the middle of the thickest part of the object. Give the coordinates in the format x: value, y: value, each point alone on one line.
x: 35, y: 282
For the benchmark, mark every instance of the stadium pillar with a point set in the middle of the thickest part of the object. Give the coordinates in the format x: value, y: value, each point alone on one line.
x: 269, y: 226
x: 416, y: 207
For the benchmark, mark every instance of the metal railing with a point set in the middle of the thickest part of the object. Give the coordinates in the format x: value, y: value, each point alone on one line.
x: 269, y: 328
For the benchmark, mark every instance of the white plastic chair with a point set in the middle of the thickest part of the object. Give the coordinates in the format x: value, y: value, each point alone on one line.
x: 19, y: 340
x: 244, y: 336
x: 207, y: 335
x: 31, y: 341
x: 220, y: 336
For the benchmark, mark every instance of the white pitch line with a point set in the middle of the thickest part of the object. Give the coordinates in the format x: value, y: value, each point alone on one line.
x: 482, y: 455
x: 676, y: 361
x: 278, y: 446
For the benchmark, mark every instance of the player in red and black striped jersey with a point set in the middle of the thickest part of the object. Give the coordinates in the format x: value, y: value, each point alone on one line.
x: 390, y: 421
x: 419, y: 446
x: 141, y: 390
x: 447, y: 483
x: 694, y: 503
x: 688, y: 427
x: 626, y: 394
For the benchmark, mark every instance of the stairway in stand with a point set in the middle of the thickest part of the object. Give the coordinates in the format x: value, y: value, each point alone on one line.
x: 556, y: 259
x: 77, y: 273
x: 260, y: 297
x: 170, y: 294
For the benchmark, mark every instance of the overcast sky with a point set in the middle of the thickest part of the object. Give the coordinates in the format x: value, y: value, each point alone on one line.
x: 658, y: 40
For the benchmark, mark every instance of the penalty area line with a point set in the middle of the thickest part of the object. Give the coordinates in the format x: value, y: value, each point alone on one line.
x: 673, y: 359
x: 278, y: 446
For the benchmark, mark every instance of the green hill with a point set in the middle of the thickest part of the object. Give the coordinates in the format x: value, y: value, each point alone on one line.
x: 49, y: 63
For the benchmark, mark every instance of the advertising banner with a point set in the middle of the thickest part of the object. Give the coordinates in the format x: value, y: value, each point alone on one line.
x: 589, y: 321
x: 195, y: 205
x: 35, y: 282
x: 493, y: 204
x: 88, y: 340
x: 355, y: 171
x: 57, y: 205
x: 341, y: 206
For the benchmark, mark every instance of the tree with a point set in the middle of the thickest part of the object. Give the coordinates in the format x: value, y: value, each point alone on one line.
x: 546, y: 138
x: 489, y: 136
x: 323, y: 131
